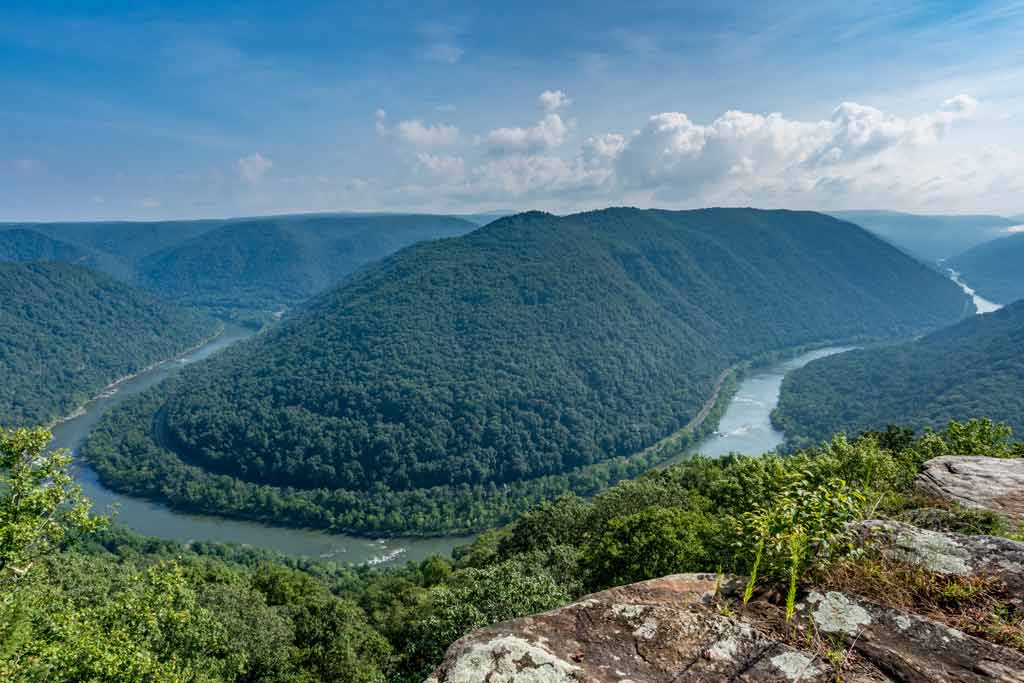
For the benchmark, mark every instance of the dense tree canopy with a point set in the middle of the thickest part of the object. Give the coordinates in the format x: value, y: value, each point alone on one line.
x: 973, y: 368
x: 66, y: 332
x: 533, y: 348
x: 994, y: 269
x: 267, y: 262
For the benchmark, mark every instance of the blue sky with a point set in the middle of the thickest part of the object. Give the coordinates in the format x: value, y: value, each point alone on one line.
x: 156, y: 110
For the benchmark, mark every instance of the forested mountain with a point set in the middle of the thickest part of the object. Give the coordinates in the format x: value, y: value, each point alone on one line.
x: 929, y: 238
x: 266, y: 262
x: 534, y: 347
x: 995, y: 269
x: 971, y: 369
x: 25, y: 245
x: 66, y: 332
x: 249, y: 263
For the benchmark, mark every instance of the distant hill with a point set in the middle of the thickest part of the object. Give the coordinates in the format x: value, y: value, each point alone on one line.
x: 463, y: 371
x: 246, y: 263
x: 66, y: 332
x: 995, y: 269
x: 22, y: 246
x: 267, y: 262
x: 929, y: 238
x: 972, y: 369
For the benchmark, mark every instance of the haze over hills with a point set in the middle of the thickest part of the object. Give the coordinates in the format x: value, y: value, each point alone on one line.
x: 930, y: 238
x: 66, y: 332
x: 248, y: 263
x: 23, y: 246
x: 995, y: 269
x: 531, y: 348
x: 267, y: 262
x: 974, y: 368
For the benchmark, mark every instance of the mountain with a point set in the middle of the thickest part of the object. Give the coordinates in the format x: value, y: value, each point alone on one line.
x: 995, y: 269
x: 66, y: 332
x: 972, y: 369
x: 531, y: 348
x: 23, y: 246
x: 249, y: 263
x: 929, y: 238
x: 267, y: 262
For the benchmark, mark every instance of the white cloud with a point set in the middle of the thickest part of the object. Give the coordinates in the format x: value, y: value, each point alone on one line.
x: 857, y: 156
x: 418, y: 134
x: 149, y: 203
x: 553, y: 100
x: 253, y: 167
x: 442, y: 41
x: 549, y: 132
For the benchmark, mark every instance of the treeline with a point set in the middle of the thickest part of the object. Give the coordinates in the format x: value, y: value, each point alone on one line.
x: 972, y: 368
x: 114, y: 606
x: 123, y: 451
x: 66, y: 332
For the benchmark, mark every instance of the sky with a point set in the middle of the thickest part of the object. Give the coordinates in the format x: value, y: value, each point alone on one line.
x: 150, y: 110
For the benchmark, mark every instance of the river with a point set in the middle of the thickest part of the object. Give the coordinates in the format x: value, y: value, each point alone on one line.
x: 155, y: 519
x: 981, y: 303
x: 746, y: 428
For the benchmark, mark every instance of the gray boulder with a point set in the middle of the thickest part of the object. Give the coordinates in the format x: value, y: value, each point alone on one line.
x: 995, y: 484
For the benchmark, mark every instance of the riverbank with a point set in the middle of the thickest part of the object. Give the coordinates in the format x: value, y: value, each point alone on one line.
x: 111, y: 388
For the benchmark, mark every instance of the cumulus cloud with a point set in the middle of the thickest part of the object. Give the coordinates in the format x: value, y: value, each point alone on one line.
x: 553, y: 100
x: 858, y: 152
x: 253, y: 167
x: 442, y: 42
x: 418, y: 134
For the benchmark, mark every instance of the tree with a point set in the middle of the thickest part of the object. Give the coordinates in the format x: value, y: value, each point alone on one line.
x: 41, y: 506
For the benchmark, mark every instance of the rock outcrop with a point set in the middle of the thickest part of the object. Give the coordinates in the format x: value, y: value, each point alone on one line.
x: 681, y: 629
x: 947, y: 553
x: 994, y: 484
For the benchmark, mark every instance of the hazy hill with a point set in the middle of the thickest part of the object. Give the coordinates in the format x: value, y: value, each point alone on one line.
x: 66, y: 332
x: 929, y: 238
x: 995, y: 269
x: 972, y: 369
x: 267, y: 262
x: 535, y: 346
x: 247, y: 263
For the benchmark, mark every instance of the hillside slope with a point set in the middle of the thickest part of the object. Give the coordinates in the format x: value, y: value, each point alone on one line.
x: 995, y: 269
x: 533, y: 347
x: 972, y: 369
x: 66, y: 332
x: 929, y: 238
x: 272, y: 261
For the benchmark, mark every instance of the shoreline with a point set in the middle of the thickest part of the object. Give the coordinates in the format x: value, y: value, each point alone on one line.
x: 111, y: 388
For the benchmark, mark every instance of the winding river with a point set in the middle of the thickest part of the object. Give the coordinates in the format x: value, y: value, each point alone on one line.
x: 744, y: 428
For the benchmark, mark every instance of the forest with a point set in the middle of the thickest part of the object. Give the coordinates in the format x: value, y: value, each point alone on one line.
x: 67, y: 332
x: 229, y: 267
x: 972, y: 368
x: 83, y: 600
x: 531, y: 352
x: 994, y: 269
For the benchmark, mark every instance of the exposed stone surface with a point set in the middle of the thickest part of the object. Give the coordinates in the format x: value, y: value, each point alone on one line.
x: 989, y: 483
x: 670, y: 630
x: 947, y: 553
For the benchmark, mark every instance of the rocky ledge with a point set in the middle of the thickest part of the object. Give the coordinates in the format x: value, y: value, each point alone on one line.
x: 994, y: 484
x: 693, y: 627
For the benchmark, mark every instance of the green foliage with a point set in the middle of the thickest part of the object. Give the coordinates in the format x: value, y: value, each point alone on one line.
x: 461, y: 381
x: 471, y: 599
x: 40, y: 503
x: 994, y: 268
x: 648, y: 544
x: 96, y: 330
x: 968, y: 370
